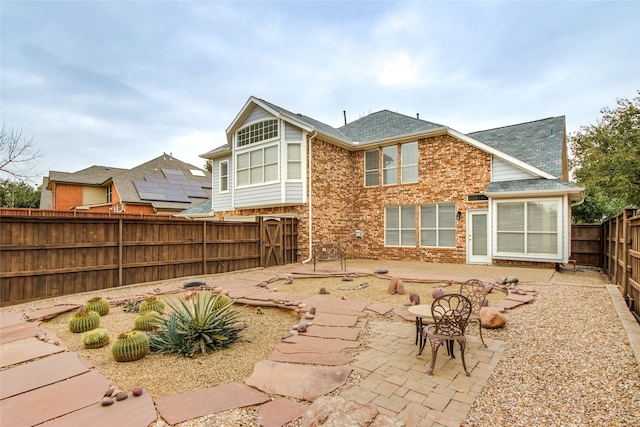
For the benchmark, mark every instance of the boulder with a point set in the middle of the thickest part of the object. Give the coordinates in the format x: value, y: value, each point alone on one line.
x: 491, y: 318
x: 438, y: 292
x: 393, y: 286
x: 414, y: 298
x: 194, y: 283
x: 400, y: 290
x: 328, y: 411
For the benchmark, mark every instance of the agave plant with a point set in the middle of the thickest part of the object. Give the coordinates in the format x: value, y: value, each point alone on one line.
x: 199, y: 325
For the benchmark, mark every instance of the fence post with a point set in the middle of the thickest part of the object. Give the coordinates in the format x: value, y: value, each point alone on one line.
x: 204, y: 247
x: 625, y: 250
x: 120, y: 261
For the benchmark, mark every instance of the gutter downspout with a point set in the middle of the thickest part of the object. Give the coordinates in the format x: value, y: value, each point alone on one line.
x: 315, y: 133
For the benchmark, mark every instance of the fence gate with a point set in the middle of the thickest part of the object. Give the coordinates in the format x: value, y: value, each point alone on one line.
x: 271, y: 236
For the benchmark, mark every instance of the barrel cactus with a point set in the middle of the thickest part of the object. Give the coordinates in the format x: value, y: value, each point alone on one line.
x: 130, y: 346
x: 96, y: 338
x: 147, y: 321
x: 152, y: 304
x: 99, y: 305
x: 221, y: 301
x: 83, y: 321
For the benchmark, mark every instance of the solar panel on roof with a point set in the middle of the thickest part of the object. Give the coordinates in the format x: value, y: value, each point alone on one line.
x: 174, y: 188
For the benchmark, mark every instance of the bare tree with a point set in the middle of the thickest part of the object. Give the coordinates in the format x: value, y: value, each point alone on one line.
x: 18, y: 154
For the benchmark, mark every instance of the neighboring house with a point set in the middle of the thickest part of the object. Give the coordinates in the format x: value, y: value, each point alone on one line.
x: 390, y: 186
x: 164, y: 185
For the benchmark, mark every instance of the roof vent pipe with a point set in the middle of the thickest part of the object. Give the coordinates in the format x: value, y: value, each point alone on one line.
x: 344, y: 113
x: 418, y: 116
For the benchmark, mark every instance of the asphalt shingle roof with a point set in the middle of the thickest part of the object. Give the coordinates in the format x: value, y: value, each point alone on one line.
x: 534, y: 184
x: 384, y: 124
x: 538, y: 143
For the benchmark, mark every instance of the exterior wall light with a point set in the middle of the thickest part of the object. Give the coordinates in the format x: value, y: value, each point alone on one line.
x: 458, y: 215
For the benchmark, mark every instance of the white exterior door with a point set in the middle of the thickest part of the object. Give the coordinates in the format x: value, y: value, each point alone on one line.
x: 478, y: 237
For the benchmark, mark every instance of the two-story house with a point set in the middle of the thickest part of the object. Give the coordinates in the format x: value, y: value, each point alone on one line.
x: 162, y: 186
x: 390, y: 186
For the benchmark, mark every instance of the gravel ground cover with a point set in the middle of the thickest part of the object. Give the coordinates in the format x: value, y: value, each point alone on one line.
x: 567, y: 361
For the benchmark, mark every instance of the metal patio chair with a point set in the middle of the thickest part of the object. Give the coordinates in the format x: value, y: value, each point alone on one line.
x: 474, y: 290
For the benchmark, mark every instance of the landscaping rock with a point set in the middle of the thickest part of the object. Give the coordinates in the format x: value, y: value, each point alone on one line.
x: 400, y: 290
x: 438, y: 292
x: 193, y: 283
x: 414, y: 298
x: 393, y: 284
x: 491, y: 318
x: 338, y: 412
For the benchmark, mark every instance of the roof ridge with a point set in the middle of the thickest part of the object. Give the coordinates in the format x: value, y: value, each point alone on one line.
x: 516, y: 124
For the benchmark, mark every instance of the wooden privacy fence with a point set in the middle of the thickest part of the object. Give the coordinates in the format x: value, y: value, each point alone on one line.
x: 46, y: 256
x: 586, y: 244
x: 621, y: 235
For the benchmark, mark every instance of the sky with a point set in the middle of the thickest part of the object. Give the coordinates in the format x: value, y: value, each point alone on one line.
x: 118, y: 83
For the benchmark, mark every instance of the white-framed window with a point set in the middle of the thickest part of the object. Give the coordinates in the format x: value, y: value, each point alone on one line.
x: 224, y: 176
x: 109, y: 193
x: 409, y: 162
x: 256, y: 132
x: 294, y: 161
x: 371, y: 168
x: 257, y: 166
x: 528, y: 227
x: 400, y: 226
x: 438, y: 225
x: 390, y: 165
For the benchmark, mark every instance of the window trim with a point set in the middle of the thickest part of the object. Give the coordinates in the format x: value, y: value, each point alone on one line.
x: 248, y: 153
x: 526, y: 255
x: 404, y: 166
x: 400, y: 228
x: 258, y: 138
x: 396, y: 167
x: 437, y: 227
x: 376, y: 170
x: 220, y: 176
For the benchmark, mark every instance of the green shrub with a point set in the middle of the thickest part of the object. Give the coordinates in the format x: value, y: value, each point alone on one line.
x: 130, y: 346
x: 99, y: 305
x: 200, y: 325
x: 83, y: 321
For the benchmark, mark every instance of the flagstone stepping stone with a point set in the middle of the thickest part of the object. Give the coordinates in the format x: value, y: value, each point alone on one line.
x: 53, y: 401
x: 19, y: 331
x: 138, y: 412
x: 508, y: 304
x: 330, y: 304
x: 42, y: 372
x: 182, y: 407
x: 8, y: 319
x: 522, y: 298
x: 341, y: 332
x: 327, y: 359
x: 280, y: 411
x: 404, y: 313
x: 297, y: 381
x: 26, y: 349
x: 303, y: 344
x: 327, y: 319
x: 51, y: 312
x: 379, y: 308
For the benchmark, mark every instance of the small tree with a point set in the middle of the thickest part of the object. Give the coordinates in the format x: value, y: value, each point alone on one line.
x: 18, y: 194
x: 606, y: 161
x: 18, y: 154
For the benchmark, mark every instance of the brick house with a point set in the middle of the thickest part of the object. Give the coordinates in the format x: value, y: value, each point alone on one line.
x: 162, y: 186
x: 390, y: 186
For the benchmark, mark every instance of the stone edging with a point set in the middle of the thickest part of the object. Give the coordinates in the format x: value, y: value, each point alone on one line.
x: 629, y: 323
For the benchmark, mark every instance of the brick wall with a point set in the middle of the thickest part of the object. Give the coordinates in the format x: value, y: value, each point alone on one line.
x: 66, y: 196
x: 448, y: 171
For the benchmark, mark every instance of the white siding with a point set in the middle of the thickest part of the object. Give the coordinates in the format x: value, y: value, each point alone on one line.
x: 294, y: 192
x: 261, y: 195
x: 503, y: 171
x: 292, y: 133
x: 221, y: 201
x: 256, y: 115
